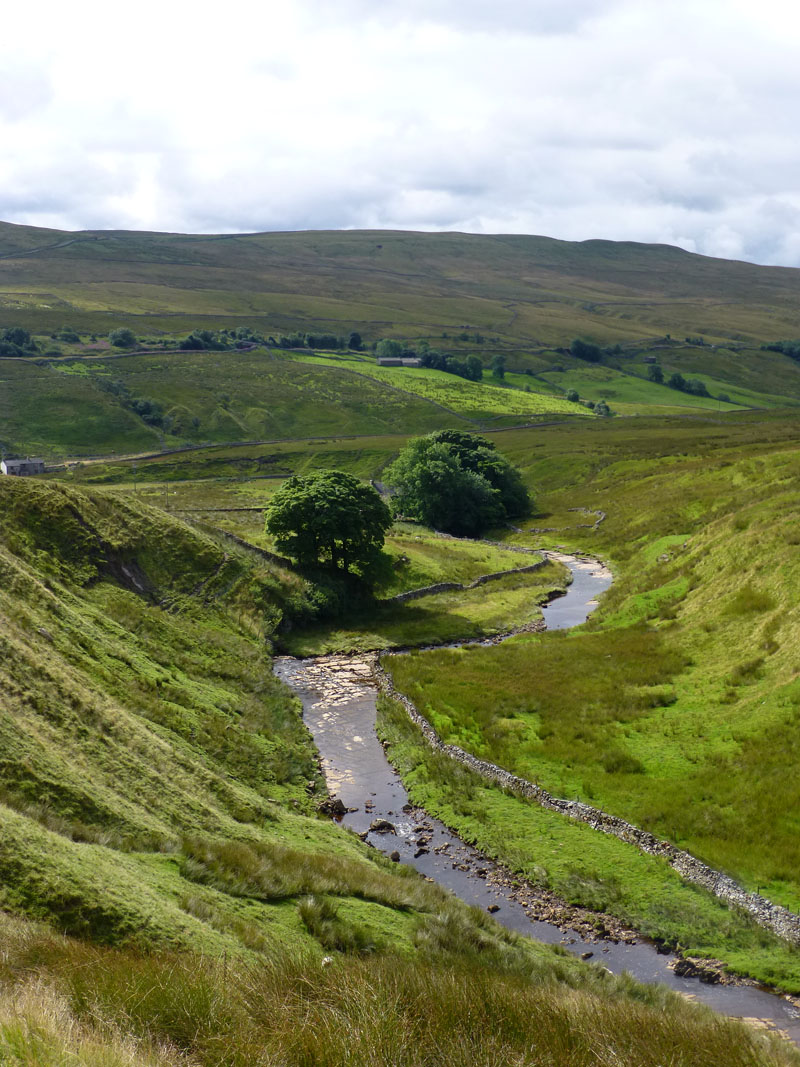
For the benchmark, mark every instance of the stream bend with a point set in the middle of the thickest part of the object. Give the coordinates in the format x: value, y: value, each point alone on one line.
x: 339, y: 697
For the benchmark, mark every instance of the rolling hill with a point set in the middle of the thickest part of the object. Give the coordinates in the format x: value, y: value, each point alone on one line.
x: 525, y: 290
x: 524, y: 298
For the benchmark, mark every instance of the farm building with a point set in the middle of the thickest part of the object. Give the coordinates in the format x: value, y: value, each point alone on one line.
x: 22, y: 467
x: 391, y: 361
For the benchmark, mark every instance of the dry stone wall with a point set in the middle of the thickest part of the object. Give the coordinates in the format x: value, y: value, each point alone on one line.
x: 781, y: 921
x: 446, y: 587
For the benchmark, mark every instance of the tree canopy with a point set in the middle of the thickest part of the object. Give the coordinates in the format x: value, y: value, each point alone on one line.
x: 456, y: 482
x: 583, y: 350
x: 329, y: 519
x: 122, y: 337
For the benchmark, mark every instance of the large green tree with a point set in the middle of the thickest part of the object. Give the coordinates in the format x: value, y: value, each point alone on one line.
x: 330, y: 519
x: 456, y: 482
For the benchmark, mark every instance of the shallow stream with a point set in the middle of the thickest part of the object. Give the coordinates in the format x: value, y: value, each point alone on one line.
x: 339, y: 695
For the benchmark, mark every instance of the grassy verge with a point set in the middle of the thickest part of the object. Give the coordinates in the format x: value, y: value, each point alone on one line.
x: 580, y: 865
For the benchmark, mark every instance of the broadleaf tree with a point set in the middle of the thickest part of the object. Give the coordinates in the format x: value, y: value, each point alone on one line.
x: 329, y: 519
x: 456, y: 482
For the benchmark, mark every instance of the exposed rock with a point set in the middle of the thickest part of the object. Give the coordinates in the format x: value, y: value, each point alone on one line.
x: 586, y: 955
x: 332, y: 806
x: 685, y: 969
x: 493, y: 908
x: 382, y: 826
x: 394, y: 856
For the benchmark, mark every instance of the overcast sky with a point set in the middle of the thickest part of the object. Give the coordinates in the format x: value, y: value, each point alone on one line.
x: 650, y: 120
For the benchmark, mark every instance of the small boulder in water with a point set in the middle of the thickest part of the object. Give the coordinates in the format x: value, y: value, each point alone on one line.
x: 382, y: 826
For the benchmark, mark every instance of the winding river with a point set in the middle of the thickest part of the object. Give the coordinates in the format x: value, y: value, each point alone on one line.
x: 339, y: 694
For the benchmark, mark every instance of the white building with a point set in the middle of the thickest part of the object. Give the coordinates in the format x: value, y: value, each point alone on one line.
x: 22, y: 467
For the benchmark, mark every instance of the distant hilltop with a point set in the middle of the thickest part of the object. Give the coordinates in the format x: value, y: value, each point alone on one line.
x: 523, y: 290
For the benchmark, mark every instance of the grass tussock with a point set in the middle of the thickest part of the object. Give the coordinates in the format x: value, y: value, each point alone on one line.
x: 114, y: 1008
x: 270, y: 870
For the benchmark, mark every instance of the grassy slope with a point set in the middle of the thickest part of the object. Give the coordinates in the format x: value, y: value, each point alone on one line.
x: 45, y: 412
x: 66, y: 408
x: 475, y: 400
x: 626, y: 393
x: 523, y: 294
x: 675, y: 707
x: 154, y: 799
x: 141, y: 723
x: 532, y: 288
x: 467, y: 1000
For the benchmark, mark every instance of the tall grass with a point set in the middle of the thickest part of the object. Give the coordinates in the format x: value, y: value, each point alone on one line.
x: 114, y: 1008
x: 270, y: 870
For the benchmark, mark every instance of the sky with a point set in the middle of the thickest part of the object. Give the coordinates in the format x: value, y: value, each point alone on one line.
x: 672, y: 121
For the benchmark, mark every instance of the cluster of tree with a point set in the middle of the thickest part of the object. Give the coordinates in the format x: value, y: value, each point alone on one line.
x: 688, y: 385
x: 589, y: 352
x: 68, y: 334
x: 586, y: 351
x: 456, y: 482
x: 14, y: 341
x: 694, y: 386
x: 122, y: 337
x: 470, y: 368
x: 787, y: 348
x: 148, y: 410
x: 330, y: 341
x: 223, y: 340
x: 206, y: 341
x: 334, y: 527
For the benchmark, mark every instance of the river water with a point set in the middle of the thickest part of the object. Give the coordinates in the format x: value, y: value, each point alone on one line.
x: 339, y: 694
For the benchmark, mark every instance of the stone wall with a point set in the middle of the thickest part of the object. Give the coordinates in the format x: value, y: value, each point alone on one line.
x: 446, y: 587
x: 781, y: 921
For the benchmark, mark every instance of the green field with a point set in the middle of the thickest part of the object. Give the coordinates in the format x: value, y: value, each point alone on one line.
x: 674, y: 707
x: 486, y: 611
x: 629, y: 393
x: 473, y: 400
x: 525, y: 299
x: 85, y: 407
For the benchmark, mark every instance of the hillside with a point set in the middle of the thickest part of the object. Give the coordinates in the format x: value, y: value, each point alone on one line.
x: 528, y: 290
x: 524, y: 299
x: 675, y: 709
x: 158, y: 809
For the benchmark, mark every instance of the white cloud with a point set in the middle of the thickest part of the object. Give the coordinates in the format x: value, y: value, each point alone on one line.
x: 626, y: 119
